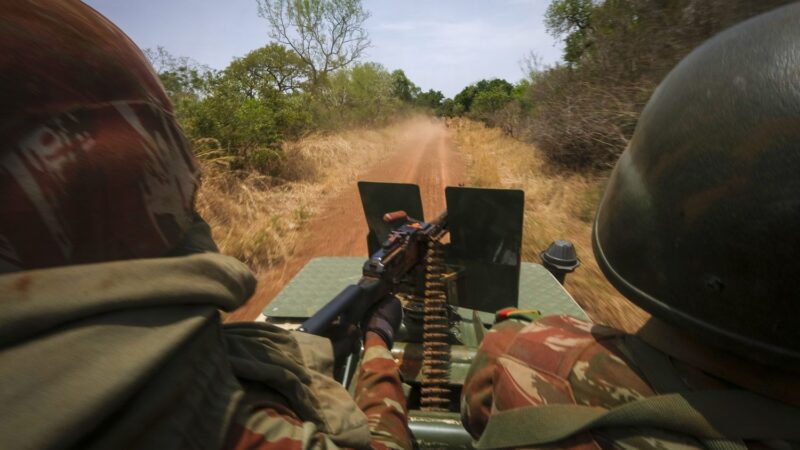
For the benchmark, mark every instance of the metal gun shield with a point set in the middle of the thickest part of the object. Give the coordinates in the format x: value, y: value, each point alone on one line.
x: 381, y: 198
x: 486, y: 239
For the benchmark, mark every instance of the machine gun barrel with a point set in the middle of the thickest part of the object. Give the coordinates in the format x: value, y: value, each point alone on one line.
x: 411, y: 254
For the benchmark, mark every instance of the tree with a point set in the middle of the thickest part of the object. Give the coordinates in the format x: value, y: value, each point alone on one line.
x: 431, y: 99
x: 449, y: 108
x: 468, y: 94
x: 252, y: 105
x: 532, y: 66
x: 269, y: 68
x: 327, y: 35
x: 186, y: 82
x: 487, y: 102
x: 164, y: 61
x: 363, y: 94
x: 570, y: 19
x: 402, y: 87
x: 180, y: 75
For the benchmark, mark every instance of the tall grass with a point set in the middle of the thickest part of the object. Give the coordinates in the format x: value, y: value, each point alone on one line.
x: 258, y: 219
x: 558, y: 205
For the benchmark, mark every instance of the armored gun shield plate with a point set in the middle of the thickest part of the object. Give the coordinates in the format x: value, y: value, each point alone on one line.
x: 486, y: 240
x: 381, y: 198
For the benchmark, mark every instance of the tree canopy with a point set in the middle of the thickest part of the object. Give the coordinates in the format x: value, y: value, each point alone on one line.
x: 570, y: 20
x: 402, y: 87
x: 467, y: 96
x: 270, y: 68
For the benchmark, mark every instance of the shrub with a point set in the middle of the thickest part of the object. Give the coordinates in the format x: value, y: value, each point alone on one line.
x: 582, y: 114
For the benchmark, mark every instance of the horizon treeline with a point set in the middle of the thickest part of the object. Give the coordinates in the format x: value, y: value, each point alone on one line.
x: 309, y: 77
x: 247, y: 110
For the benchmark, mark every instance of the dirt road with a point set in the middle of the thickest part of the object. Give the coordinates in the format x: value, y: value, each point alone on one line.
x: 424, y: 156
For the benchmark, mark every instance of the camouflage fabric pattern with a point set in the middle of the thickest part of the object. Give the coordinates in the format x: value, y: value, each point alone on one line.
x: 93, y: 165
x: 379, y: 394
x: 561, y: 359
x: 269, y: 423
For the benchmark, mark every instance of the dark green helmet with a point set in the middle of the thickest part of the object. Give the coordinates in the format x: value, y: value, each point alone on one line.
x: 700, y: 222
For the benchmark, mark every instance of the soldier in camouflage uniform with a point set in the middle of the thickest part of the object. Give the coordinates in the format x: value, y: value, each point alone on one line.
x: 111, y: 284
x: 699, y: 226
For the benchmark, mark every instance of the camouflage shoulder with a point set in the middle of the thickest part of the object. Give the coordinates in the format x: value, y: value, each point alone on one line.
x: 276, y: 428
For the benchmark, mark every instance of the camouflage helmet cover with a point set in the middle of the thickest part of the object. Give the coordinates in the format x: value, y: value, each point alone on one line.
x: 700, y: 221
x: 93, y: 166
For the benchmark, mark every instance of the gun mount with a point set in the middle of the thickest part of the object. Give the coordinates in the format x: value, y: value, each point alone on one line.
x: 464, y: 266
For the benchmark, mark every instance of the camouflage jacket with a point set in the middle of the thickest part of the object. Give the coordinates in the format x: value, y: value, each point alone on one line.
x: 268, y: 420
x: 95, y: 357
x: 563, y: 360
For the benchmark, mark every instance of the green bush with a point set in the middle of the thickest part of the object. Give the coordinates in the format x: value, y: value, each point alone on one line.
x: 582, y: 114
x: 363, y: 95
x: 266, y: 97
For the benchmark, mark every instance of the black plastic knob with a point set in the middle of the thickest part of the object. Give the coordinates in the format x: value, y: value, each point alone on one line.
x: 560, y: 259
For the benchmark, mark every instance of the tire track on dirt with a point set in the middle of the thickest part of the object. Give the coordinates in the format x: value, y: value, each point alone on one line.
x: 424, y: 156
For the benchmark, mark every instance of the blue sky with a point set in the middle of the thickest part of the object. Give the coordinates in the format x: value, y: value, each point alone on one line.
x: 440, y: 44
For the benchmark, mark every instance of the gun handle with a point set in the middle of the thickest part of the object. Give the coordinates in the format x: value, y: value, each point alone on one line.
x: 394, y: 216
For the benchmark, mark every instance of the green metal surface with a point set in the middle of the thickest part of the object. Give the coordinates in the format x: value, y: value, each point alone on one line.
x: 322, y: 278
x: 314, y: 286
x: 538, y: 289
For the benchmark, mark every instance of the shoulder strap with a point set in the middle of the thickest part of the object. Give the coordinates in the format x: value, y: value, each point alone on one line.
x: 661, y: 374
x: 656, y: 367
x: 705, y: 414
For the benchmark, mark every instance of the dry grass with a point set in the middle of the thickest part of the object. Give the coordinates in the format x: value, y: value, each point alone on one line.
x: 258, y: 219
x: 558, y: 205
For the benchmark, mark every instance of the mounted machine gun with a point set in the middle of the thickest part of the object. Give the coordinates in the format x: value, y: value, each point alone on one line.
x: 451, y: 275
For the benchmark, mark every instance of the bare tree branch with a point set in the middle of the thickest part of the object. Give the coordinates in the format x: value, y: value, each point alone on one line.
x: 326, y: 34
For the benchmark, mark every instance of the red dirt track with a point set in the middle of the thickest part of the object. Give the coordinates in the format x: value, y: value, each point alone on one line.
x: 424, y: 157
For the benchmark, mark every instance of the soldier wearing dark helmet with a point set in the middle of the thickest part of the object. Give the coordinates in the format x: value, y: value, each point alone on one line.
x: 700, y: 226
x: 111, y: 285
